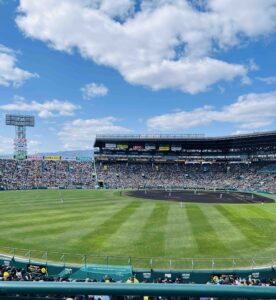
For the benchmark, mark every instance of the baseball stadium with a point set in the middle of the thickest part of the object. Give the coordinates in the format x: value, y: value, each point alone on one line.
x: 137, y: 149
x: 186, y: 205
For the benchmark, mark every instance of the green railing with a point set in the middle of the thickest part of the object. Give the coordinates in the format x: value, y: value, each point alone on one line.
x: 117, y: 270
x: 66, y: 258
x: 122, y: 289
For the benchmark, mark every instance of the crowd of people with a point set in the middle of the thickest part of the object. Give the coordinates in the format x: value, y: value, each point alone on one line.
x: 193, y: 175
x: 9, y: 273
x: 28, y: 174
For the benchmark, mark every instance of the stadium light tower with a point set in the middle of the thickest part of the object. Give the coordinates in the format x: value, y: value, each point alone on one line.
x: 20, y: 142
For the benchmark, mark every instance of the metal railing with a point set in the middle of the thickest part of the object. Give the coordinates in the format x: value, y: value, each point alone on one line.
x: 74, y: 259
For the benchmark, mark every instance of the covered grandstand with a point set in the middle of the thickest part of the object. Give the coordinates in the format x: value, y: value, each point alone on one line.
x: 235, y: 148
x: 243, y: 162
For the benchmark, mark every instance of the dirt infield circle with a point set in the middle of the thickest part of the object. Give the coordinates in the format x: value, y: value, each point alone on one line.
x: 199, y: 196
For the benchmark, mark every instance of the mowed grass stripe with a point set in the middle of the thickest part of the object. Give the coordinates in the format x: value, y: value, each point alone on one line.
x: 257, y: 211
x: 45, y: 225
x: 153, y: 233
x: 179, y: 235
x: 94, y: 240
x: 34, y: 218
x: 130, y: 235
x: 254, y: 233
x: 46, y: 196
x: 82, y: 226
x: 52, y: 207
x: 263, y: 220
x: 38, y: 205
x: 207, y: 240
x: 230, y: 234
x: 61, y: 209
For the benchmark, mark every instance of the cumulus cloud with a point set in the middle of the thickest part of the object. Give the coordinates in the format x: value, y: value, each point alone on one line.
x: 119, y: 8
x: 10, y: 74
x: 80, y: 133
x: 163, y: 44
x: 45, y: 109
x: 93, y: 90
x: 249, y: 112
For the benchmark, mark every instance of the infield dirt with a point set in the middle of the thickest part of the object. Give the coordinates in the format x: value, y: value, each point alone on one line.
x: 199, y: 196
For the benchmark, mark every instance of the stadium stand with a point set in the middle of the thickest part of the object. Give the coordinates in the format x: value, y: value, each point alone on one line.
x: 193, y: 161
x: 246, y: 162
x: 73, y: 174
x: 213, y: 176
x: 28, y: 174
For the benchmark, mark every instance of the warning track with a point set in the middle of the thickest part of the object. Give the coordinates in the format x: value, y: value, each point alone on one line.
x: 201, y: 196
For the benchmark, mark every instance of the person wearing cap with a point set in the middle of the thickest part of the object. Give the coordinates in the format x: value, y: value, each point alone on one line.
x: 6, y: 275
x: 132, y: 279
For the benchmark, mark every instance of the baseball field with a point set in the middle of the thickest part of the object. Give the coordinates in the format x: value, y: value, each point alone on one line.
x: 109, y: 223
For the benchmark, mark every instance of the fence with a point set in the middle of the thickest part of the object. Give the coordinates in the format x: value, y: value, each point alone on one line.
x: 65, y: 258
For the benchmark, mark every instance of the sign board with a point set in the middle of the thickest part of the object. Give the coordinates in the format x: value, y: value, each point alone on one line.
x: 53, y: 157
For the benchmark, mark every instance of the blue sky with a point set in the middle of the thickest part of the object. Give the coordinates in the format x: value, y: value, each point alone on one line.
x: 84, y: 67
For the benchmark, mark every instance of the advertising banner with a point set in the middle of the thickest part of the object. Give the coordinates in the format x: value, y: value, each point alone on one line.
x: 164, y: 148
x: 20, y: 156
x: 20, y: 140
x: 68, y: 158
x: 122, y: 146
x: 150, y: 147
x: 34, y: 157
x: 176, y: 148
x: 110, y: 146
x: 138, y: 147
x: 53, y: 157
x: 20, y: 147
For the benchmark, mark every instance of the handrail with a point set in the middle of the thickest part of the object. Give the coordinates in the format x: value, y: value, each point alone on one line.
x: 176, y: 263
x: 190, y: 290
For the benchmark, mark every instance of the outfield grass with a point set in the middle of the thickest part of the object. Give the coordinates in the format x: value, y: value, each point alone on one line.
x: 105, y: 223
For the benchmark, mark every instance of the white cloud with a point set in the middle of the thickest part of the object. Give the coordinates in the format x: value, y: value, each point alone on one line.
x: 93, y: 90
x: 10, y: 74
x: 119, y: 8
x: 80, y: 133
x: 45, y: 110
x: 166, y: 44
x: 267, y: 80
x: 240, y: 132
x: 188, y: 75
x: 249, y: 112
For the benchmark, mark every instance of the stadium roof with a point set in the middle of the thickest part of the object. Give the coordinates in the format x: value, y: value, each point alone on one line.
x: 179, y: 137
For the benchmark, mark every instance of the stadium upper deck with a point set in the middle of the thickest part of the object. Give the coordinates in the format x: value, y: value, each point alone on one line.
x: 246, y: 147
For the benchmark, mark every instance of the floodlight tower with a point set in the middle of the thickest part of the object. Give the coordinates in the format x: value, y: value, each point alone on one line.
x: 20, y: 142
